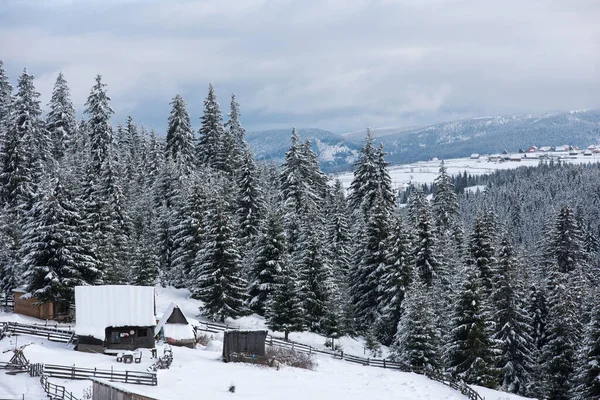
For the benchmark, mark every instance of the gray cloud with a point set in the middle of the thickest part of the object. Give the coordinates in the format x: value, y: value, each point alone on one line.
x: 335, y: 64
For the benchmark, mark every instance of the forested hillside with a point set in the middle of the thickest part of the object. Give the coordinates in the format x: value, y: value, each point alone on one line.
x: 499, y: 288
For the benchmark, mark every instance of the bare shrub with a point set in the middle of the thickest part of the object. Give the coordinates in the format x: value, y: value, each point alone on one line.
x: 291, y: 357
x: 203, y: 339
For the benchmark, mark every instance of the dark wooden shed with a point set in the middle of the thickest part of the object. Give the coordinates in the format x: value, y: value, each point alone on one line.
x: 244, y: 342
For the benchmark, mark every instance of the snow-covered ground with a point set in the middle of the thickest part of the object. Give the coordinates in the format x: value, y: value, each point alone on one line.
x: 200, y: 373
x: 426, y: 171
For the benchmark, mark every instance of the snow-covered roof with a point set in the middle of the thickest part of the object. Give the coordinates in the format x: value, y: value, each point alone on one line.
x: 174, y: 331
x: 98, y: 307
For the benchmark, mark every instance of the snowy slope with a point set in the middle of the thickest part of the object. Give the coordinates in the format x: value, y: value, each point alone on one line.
x: 199, y: 373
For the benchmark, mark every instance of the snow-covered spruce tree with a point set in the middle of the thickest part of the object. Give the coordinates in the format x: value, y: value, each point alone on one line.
x: 154, y: 160
x: 186, y: 230
x: 99, y: 113
x: 10, y: 271
x: 364, y: 184
x: 371, y: 179
x: 105, y: 215
x: 426, y: 259
x: 315, y: 280
x: 417, y: 340
x: 145, y: 262
x: 23, y: 148
x: 302, y: 190
x: 235, y: 133
x: 482, y: 253
x: 589, y: 365
x: 284, y: 307
x: 558, y: 356
x: 394, y: 282
x: 5, y: 96
x: 417, y: 202
x: 218, y: 281
x: 267, y: 264
x: 513, y: 324
x: 250, y: 202
x: 567, y: 241
x: 56, y: 253
x: 180, y: 137
x: 338, y: 232
x: 60, y: 121
x: 365, y: 279
x: 339, y: 247
x: 384, y: 181
x: 209, y: 150
x: 470, y: 354
x: 445, y: 202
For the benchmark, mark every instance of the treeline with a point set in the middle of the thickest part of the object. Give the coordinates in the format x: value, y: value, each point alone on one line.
x: 468, y: 283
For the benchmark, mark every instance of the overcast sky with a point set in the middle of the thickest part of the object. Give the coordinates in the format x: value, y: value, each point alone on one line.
x: 340, y: 65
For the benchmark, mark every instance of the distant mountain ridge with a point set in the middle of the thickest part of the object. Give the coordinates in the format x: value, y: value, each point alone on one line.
x: 335, y: 153
x: 445, y: 140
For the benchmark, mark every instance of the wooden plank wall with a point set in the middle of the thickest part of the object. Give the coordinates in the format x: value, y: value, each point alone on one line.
x: 30, y: 308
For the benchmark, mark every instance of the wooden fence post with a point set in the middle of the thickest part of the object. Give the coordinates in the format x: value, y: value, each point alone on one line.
x: 384, y: 363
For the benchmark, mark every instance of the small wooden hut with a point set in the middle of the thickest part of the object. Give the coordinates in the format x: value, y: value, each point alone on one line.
x: 26, y: 304
x: 175, y: 328
x: 244, y: 342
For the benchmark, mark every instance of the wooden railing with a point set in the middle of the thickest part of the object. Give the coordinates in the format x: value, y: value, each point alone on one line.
x: 7, y: 301
x: 50, y: 333
x: 73, y: 372
x: 55, y: 391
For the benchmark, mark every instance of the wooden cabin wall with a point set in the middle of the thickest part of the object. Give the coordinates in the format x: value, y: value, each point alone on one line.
x: 30, y: 308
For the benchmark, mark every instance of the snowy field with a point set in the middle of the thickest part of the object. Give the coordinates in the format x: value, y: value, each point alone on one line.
x: 199, y: 373
x: 426, y: 171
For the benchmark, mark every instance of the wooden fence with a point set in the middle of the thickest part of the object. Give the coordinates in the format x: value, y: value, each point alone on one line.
x: 372, y: 362
x: 55, y: 391
x: 50, y: 333
x: 7, y: 301
x: 73, y: 372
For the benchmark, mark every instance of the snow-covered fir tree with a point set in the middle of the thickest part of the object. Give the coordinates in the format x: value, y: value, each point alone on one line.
x: 56, y: 252
x: 396, y: 277
x: 470, y: 353
x: 209, y: 149
x: 558, y: 355
x: 366, y: 274
x: 315, y: 275
x: 588, y: 372
x: 417, y: 341
x: 179, y: 145
x: 284, y: 306
x: 250, y: 202
x: 513, y: 324
x: 426, y: 259
x: 445, y: 202
x: 371, y: 179
x: 267, y: 264
x: 218, y: 281
x: 60, y: 120
x: 26, y: 148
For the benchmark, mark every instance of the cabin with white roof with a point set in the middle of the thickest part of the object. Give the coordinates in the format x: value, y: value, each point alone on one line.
x: 110, y: 318
x: 175, y: 328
